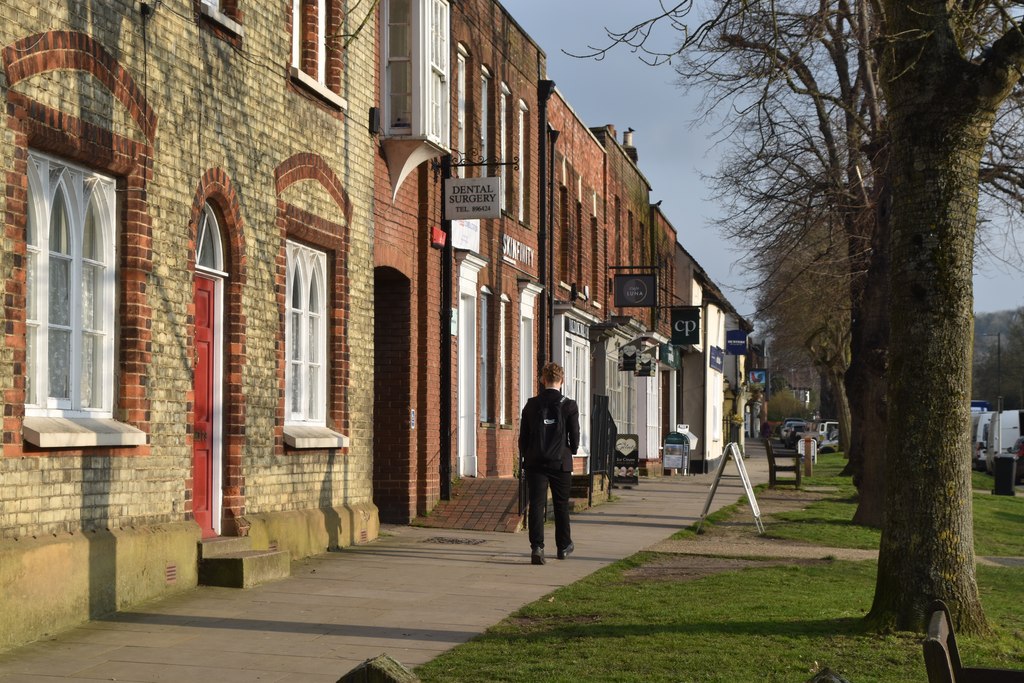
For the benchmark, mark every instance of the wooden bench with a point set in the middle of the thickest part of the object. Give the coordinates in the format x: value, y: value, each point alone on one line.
x: 942, y: 659
x: 774, y: 467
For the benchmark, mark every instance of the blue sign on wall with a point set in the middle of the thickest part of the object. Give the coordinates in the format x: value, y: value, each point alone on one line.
x: 716, y: 359
x: 736, y: 342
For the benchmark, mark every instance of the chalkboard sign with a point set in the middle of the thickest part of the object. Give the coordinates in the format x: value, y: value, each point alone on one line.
x: 627, y: 460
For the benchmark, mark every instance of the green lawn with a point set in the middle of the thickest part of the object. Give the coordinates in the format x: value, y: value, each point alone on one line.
x: 780, y: 623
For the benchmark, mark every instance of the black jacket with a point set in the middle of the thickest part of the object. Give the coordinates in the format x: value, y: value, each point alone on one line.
x: 530, y: 417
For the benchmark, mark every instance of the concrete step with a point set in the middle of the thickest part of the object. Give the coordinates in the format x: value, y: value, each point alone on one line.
x: 245, y: 569
x: 224, y: 545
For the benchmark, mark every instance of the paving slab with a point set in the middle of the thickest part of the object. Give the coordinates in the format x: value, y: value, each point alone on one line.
x: 414, y: 593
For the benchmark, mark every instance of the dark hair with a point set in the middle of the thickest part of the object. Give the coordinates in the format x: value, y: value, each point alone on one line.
x: 551, y: 373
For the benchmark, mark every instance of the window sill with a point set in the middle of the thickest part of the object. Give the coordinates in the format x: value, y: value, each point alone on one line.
x: 66, y: 432
x: 308, y: 436
x: 221, y: 19
x: 318, y: 89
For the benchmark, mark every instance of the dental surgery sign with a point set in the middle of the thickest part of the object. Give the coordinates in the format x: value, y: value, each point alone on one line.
x: 686, y: 325
x: 472, y: 198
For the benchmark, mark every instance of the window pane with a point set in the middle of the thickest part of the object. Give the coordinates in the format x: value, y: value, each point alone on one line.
x: 90, y: 284
x: 60, y: 363
x: 30, y: 228
x: 30, y: 286
x: 401, y: 11
x: 59, y: 239
x: 296, y: 332
x: 312, y: 346
x: 90, y: 362
x: 60, y: 304
x: 398, y: 42
x: 296, y: 291
x: 314, y: 393
x: 296, y: 388
x: 30, y: 366
x: 91, y: 246
x: 400, y: 102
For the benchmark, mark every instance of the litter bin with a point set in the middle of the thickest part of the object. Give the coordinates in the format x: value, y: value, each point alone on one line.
x: 1004, y: 469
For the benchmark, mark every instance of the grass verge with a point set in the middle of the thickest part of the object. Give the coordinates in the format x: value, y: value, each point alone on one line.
x: 635, y: 621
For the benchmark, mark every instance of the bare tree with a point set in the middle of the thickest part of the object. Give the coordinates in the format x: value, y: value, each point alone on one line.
x: 916, y: 147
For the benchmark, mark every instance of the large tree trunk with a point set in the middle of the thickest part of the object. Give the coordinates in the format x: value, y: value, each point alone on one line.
x: 866, y: 380
x: 938, y: 136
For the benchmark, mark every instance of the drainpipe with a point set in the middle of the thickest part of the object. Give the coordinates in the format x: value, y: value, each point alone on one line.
x: 545, y: 89
x: 447, y: 255
x: 550, y: 293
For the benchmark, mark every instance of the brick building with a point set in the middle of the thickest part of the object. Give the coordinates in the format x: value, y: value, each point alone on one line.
x: 533, y: 284
x: 233, y: 305
x: 187, y: 267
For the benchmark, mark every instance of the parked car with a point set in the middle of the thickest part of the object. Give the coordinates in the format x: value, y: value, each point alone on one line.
x: 830, y: 444
x: 819, y: 429
x: 786, y: 425
x: 792, y: 435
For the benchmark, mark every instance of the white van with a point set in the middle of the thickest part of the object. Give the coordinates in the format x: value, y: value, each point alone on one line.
x: 1009, y: 427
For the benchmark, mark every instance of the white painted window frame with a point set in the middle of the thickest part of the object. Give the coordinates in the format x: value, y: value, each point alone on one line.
x: 79, y: 187
x: 310, y: 265
x: 430, y: 108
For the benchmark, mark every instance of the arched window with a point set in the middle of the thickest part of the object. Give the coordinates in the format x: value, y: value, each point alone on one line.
x: 306, y: 335
x: 209, y: 246
x: 69, y: 290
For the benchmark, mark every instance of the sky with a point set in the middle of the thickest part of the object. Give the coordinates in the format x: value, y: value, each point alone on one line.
x: 673, y: 154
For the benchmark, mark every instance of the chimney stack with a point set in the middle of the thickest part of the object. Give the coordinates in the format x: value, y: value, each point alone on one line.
x: 627, y: 145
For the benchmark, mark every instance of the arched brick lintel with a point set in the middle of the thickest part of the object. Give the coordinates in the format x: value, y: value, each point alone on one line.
x: 73, y: 50
x: 308, y: 166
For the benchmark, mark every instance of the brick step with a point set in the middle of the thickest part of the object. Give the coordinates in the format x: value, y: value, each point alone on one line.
x: 245, y: 568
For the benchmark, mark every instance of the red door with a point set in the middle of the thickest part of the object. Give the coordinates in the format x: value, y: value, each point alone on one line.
x: 202, y: 428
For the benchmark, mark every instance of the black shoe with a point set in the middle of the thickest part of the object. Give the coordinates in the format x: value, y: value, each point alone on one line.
x: 566, y: 551
x: 537, y: 556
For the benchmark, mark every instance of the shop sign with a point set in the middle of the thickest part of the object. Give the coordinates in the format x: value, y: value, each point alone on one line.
x: 758, y: 376
x: 472, y: 198
x: 514, y: 250
x: 576, y: 328
x: 635, y: 291
x: 626, y: 470
x: 736, y: 342
x: 716, y: 358
x: 466, y: 234
x: 668, y: 355
x: 686, y: 325
x: 646, y: 365
x: 627, y: 359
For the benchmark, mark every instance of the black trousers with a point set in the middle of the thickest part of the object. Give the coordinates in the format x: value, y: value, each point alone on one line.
x: 538, y: 481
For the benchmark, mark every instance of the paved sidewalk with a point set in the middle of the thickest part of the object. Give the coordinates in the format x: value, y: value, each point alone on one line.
x: 413, y: 594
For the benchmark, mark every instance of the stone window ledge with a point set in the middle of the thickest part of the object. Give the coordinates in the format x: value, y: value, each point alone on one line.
x: 79, y: 432
x: 218, y: 17
x: 309, y: 83
x: 307, y: 436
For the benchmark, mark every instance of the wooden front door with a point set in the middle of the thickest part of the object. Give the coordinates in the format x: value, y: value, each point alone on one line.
x: 203, y: 451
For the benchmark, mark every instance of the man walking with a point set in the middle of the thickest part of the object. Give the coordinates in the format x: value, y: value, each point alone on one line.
x: 549, y: 435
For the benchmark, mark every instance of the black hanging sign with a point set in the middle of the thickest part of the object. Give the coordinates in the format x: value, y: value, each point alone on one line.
x: 636, y: 291
x: 686, y: 325
x: 627, y: 359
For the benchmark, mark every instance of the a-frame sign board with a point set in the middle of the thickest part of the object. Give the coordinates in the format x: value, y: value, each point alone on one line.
x: 732, y: 452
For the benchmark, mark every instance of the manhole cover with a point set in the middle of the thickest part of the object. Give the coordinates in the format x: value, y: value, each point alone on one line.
x: 455, y: 541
